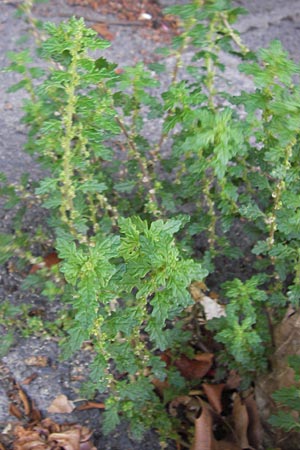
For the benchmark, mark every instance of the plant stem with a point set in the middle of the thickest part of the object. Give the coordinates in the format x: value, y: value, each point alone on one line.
x: 145, y: 175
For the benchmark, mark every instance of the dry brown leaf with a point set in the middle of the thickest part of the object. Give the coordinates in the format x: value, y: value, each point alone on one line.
x: 24, y: 399
x: 204, y: 439
x: 30, y: 379
x: 214, y: 395
x: 241, y: 421
x: 28, y: 440
x: 15, y: 411
x: 286, y: 342
x: 255, y: 431
x: 103, y: 30
x: 227, y: 445
x: 61, y: 405
x: 21, y: 406
x: 77, y: 378
x: 197, y: 289
x: 90, y: 405
x: 48, y: 435
x: 87, y: 446
x: 37, y: 360
x: 35, y: 414
x: 75, y: 438
x: 48, y: 261
x: 190, y: 402
x: 190, y: 368
x: 50, y: 425
x: 194, y: 368
x: 69, y: 440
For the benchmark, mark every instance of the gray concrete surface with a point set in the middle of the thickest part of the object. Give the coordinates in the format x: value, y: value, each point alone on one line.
x: 267, y: 20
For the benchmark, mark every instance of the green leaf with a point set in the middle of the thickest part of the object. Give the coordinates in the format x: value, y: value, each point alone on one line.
x: 23, y: 84
x: 156, y: 335
x: 125, y: 186
x: 7, y: 342
x: 284, y: 421
x: 288, y: 396
x: 111, y: 417
x: 77, y: 335
x: 92, y: 186
x: 7, y: 248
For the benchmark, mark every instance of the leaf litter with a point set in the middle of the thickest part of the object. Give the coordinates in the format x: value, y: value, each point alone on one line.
x: 31, y: 431
x: 148, y: 16
x: 229, y: 419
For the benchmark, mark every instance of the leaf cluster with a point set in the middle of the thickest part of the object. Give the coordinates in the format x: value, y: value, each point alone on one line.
x: 288, y: 398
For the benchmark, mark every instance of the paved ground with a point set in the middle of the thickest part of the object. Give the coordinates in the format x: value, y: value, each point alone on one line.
x: 268, y: 19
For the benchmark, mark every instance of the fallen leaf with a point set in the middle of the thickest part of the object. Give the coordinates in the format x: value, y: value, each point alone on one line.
x: 35, y: 414
x: 227, y: 445
x: 48, y: 261
x: 51, y: 426
x: 77, y: 378
x: 194, y: 368
x: 15, y: 411
x: 23, y: 407
x: 48, y: 435
x: 69, y: 440
x: 255, y: 431
x: 24, y: 399
x: 203, y: 438
x: 30, y: 379
x: 39, y: 361
x: 286, y: 342
x: 197, y: 289
x: 213, y: 393
x: 61, y: 405
x: 241, y: 421
x: 28, y: 440
x: 185, y: 400
x: 90, y: 405
x: 212, y: 309
x: 103, y: 30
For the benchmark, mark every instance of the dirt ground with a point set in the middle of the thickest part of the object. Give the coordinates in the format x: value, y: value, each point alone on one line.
x: 267, y: 19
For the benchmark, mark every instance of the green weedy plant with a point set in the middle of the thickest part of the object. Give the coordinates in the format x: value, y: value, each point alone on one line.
x: 288, y: 397
x: 126, y: 291
x: 221, y: 162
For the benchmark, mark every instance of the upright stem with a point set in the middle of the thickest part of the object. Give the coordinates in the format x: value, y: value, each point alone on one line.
x: 67, y: 210
x: 277, y: 193
x: 145, y: 175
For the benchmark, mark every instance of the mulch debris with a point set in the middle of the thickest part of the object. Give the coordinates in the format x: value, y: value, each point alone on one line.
x: 147, y: 14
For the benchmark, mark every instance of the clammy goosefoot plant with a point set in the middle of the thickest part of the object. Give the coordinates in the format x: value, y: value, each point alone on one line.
x: 136, y: 219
